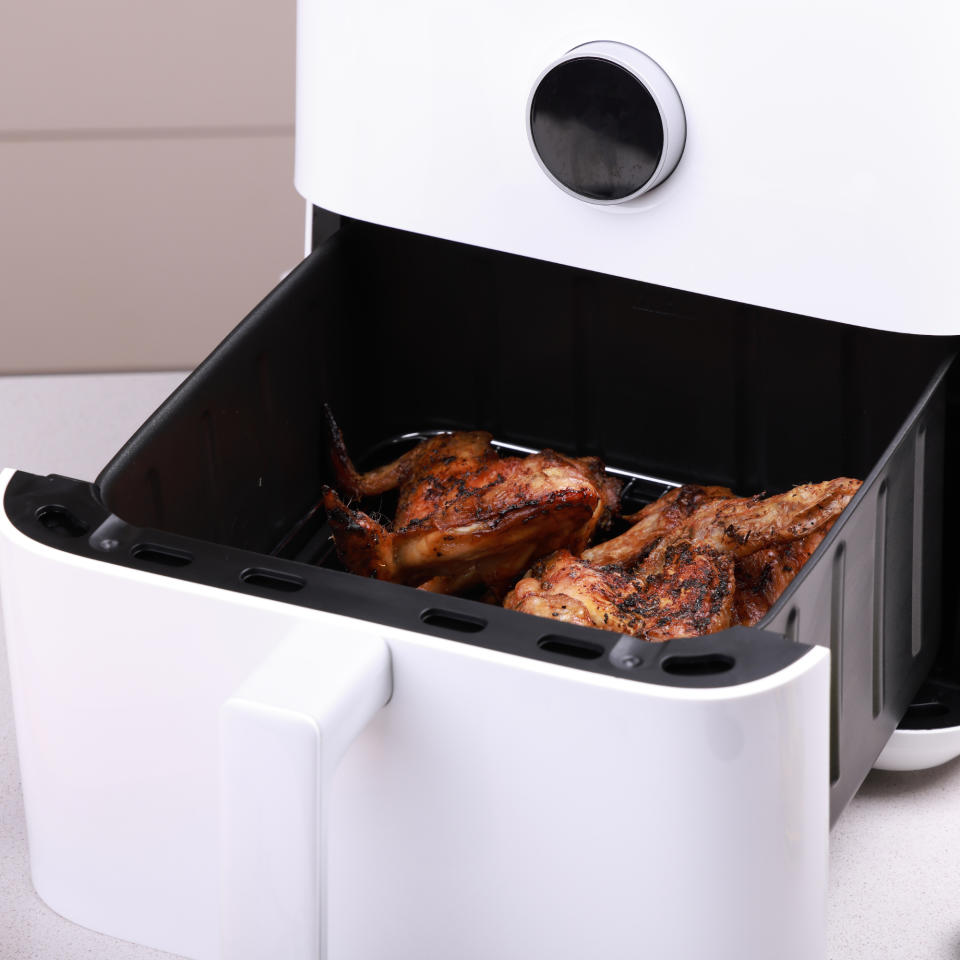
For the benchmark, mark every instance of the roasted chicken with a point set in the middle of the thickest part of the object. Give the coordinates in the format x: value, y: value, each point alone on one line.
x: 466, y: 516
x: 653, y: 522
x: 696, y: 560
x: 764, y: 575
x: 682, y: 589
x: 699, y: 569
x: 740, y: 526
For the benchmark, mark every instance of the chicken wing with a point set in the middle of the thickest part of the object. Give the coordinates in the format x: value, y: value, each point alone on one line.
x: 764, y: 575
x: 653, y: 522
x: 741, y: 526
x: 466, y: 516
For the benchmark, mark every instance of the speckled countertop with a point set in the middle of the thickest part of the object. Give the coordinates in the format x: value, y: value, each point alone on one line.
x: 895, y: 853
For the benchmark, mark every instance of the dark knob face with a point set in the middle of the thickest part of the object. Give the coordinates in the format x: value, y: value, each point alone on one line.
x: 596, y: 128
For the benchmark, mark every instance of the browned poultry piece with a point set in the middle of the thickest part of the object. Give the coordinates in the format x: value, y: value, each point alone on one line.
x: 764, y: 575
x: 466, y: 516
x: 741, y: 526
x: 682, y: 589
x: 653, y: 522
x: 735, y: 525
x: 721, y: 561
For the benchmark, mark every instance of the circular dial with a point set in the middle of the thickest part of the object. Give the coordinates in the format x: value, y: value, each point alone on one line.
x: 606, y: 123
x: 596, y: 128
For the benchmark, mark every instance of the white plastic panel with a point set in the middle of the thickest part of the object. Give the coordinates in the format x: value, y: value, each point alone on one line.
x: 282, y: 735
x: 819, y: 174
x: 497, y: 806
x: 919, y: 749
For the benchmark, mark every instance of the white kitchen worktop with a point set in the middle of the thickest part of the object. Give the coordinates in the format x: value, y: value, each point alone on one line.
x: 895, y: 853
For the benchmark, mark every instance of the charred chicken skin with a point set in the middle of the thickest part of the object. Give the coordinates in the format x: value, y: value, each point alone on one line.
x: 736, y: 525
x: 742, y: 525
x: 682, y: 589
x: 697, y: 560
x: 764, y: 575
x: 653, y: 522
x: 465, y: 515
x: 728, y: 558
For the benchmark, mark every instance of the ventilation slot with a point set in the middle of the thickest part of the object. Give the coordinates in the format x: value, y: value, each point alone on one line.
x: 452, y: 621
x: 700, y: 665
x: 61, y: 520
x: 165, y: 556
x: 566, y: 647
x: 836, y: 659
x: 919, y: 461
x: 879, y: 572
x: 792, y: 629
x: 272, y: 580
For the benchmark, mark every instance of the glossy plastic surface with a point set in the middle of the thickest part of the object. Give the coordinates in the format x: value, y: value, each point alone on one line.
x: 818, y: 177
x: 616, y: 138
x: 283, y: 733
x: 920, y: 749
x: 606, y: 123
x: 497, y: 806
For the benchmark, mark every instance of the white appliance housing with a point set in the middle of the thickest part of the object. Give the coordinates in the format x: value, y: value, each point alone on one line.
x: 817, y: 176
x: 219, y: 775
x: 178, y: 771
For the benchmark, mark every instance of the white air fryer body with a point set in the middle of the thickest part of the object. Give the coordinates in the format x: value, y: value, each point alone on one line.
x: 220, y: 775
x: 818, y: 175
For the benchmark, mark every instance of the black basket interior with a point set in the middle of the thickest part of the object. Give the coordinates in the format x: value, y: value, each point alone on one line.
x: 403, y: 334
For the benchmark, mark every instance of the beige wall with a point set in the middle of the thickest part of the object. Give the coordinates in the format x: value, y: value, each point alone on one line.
x: 146, y: 168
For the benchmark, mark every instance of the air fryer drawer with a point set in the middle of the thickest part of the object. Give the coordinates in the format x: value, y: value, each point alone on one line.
x: 403, y: 334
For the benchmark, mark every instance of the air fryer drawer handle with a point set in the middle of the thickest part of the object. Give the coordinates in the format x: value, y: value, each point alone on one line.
x: 282, y: 734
